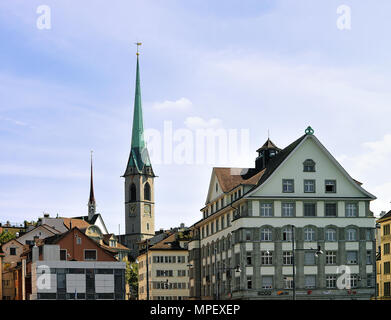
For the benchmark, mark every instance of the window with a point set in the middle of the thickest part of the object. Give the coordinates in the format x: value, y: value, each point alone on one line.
x: 351, y: 257
x: 369, y: 257
x: 266, y: 234
x: 249, y: 258
x: 331, y: 282
x: 13, y: 251
x: 78, y: 240
x: 387, y: 287
x: 63, y: 254
x: 352, y: 280
x: 132, y: 197
x: 351, y: 234
x: 309, y: 165
x: 309, y: 209
x: 287, y: 234
x: 287, y: 258
x: 386, y: 269
x: 309, y: 258
x: 330, y: 186
x: 386, y: 248
x: 266, y: 209
x: 288, y: 282
x: 249, y: 282
x: 288, y: 209
x: 288, y: 185
x: 310, y: 281
x: 331, y: 257
x: 147, y: 192
x: 330, y: 209
x: 309, y: 234
x: 386, y: 230
x: 267, y: 282
x: 266, y: 258
x: 248, y: 235
x: 351, y: 209
x: 89, y: 254
x: 309, y: 186
x: 331, y: 235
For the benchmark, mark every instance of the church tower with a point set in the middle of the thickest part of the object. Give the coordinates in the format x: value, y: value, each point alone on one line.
x: 139, y: 182
x: 91, y: 200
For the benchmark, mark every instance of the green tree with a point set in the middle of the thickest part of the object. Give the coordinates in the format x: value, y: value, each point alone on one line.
x: 6, y: 236
x: 131, y: 277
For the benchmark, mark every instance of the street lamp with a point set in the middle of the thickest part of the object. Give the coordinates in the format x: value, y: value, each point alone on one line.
x: 317, y: 253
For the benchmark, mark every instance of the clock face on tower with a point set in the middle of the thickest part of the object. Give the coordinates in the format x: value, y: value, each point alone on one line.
x: 147, y: 209
x: 132, y: 209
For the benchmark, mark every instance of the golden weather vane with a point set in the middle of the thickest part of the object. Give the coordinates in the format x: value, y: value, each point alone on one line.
x: 138, y: 44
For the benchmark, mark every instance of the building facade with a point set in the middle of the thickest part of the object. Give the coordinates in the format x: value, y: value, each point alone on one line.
x: 168, y: 270
x: 242, y: 246
x: 72, y: 266
x: 384, y: 259
x: 139, y: 183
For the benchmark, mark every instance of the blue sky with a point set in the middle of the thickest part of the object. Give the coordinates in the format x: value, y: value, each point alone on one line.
x: 256, y: 65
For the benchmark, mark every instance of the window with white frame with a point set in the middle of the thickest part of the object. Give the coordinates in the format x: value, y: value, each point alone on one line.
x: 266, y: 234
x: 331, y: 235
x: 351, y: 209
x: 309, y: 234
x: 266, y: 257
x: 330, y: 209
x: 310, y: 281
x: 309, y: 209
x: 352, y: 280
x: 351, y: 234
x: 288, y: 209
x: 331, y: 281
x: 369, y: 257
x: 352, y: 257
x: 267, y: 282
x: 309, y: 186
x: 330, y: 186
x: 266, y: 209
x: 331, y: 257
x: 288, y: 185
x: 287, y: 258
x: 288, y: 282
x: 309, y: 165
x: 287, y: 234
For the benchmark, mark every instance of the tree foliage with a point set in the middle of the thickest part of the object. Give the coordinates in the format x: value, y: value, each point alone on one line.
x: 6, y: 236
x: 131, y: 276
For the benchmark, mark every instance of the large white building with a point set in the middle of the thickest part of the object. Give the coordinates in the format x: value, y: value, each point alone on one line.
x: 242, y: 247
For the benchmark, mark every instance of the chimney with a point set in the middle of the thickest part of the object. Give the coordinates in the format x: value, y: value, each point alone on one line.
x: 35, y: 255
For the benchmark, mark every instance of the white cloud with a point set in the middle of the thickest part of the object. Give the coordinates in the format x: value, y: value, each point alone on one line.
x: 180, y: 104
x: 194, y: 123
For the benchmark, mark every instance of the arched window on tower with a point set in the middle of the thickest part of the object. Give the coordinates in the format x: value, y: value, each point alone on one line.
x: 132, y: 197
x: 147, y: 192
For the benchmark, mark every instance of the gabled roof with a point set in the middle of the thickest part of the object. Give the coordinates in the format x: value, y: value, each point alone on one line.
x: 79, y: 223
x: 283, y: 155
x: 385, y: 217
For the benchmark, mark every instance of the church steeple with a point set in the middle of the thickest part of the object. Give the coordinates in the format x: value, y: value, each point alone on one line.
x: 139, y: 161
x: 139, y: 181
x: 91, y: 200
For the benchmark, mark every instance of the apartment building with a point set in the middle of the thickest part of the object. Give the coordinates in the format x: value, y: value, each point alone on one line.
x: 71, y: 265
x: 298, y: 197
x: 167, y: 277
x: 384, y: 259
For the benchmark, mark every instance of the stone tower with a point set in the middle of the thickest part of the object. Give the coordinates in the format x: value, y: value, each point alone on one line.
x: 139, y: 182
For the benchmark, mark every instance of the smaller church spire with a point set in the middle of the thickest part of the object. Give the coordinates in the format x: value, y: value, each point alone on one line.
x: 91, y: 201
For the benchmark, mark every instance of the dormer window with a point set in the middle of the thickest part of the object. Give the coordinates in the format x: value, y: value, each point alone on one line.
x: 309, y: 165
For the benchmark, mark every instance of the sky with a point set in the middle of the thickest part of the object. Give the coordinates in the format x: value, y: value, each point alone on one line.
x: 257, y: 67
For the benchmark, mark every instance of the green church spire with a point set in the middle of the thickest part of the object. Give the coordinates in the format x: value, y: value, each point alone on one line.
x: 138, y: 127
x: 139, y: 157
